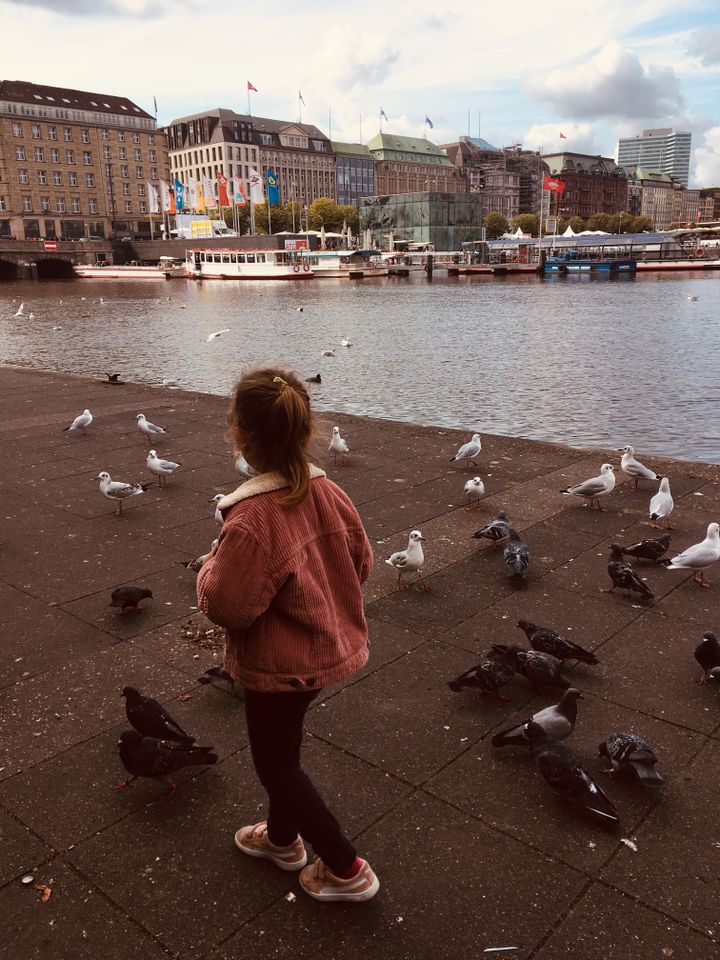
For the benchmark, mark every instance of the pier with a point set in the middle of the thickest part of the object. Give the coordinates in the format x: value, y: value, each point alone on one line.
x: 473, y: 851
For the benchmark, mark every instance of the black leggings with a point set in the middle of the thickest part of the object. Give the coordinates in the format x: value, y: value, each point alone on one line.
x: 275, y: 730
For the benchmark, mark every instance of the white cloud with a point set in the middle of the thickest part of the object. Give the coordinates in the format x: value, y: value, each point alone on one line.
x: 705, y: 44
x: 579, y: 137
x: 99, y: 8
x: 706, y: 161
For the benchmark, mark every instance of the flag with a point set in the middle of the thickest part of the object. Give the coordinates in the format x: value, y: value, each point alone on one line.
x: 429, y: 122
x: 256, y: 187
x: 300, y: 98
x: 563, y: 137
x: 238, y: 191
x: 208, y: 186
x: 154, y: 206
x: 222, y: 190
x: 168, y: 197
x: 155, y: 102
x: 554, y: 185
x: 251, y: 87
x: 272, y: 189
x: 383, y: 115
x: 179, y: 195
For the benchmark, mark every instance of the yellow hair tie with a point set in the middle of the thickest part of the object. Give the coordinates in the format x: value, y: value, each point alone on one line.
x: 283, y: 383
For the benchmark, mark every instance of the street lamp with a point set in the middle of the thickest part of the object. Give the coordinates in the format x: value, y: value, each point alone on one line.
x: 294, y: 184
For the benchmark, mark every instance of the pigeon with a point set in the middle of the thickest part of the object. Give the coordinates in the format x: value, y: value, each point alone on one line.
x: 516, y: 554
x: 474, y: 489
x: 218, y: 333
x: 630, y: 754
x: 707, y: 654
x: 345, y: 342
x: 316, y: 379
x: 541, y: 669
x: 151, y: 719
x: 562, y: 770
x: 161, y: 468
x: 150, y: 430
x: 155, y: 759
x: 700, y: 556
x: 648, y: 549
x: 410, y: 560
x: 113, y: 378
x: 558, y: 721
x: 496, y: 531
x: 594, y: 488
x: 80, y: 423
x: 633, y: 468
x: 219, y: 519
x: 661, y: 505
x: 338, y: 446
x: 548, y: 641
x: 623, y: 575
x: 217, y: 673
x: 468, y: 451
x: 490, y: 675
x: 128, y: 598
x: 118, y: 491
x: 244, y: 468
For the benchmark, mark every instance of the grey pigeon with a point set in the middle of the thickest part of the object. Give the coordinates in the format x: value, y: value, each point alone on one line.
x: 648, y: 549
x: 489, y: 675
x: 623, y: 575
x: 630, y: 754
x: 548, y: 641
x: 155, y: 759
x: 562, y: 770
x: 128, y: 598
x: 516, y: 554
x: 558, y: 721
x: 151, y: 719
x: 541, y: 669
x: 707, y: 654
x: 495, y: 531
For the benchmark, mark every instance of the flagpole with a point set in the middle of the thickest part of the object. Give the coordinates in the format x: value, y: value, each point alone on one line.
x: 248, y: 96
x: 361, y: 140
x: 330, y: 123
x: 299, y: 109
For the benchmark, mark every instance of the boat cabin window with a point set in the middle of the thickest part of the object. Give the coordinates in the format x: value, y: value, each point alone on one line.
x: 226, y: 258
x: 251, y: 258
x: 261, y: 258
x: 241, y: 258
x: 217, y: 258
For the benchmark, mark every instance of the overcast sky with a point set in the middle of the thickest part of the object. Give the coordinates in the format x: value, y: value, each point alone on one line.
x: 591, y: 71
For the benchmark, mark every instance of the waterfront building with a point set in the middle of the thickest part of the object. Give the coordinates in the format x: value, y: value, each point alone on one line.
x: 75, y: 164
x: 708, y: 205
x: 405, y: 165
x: 445, y: 220
x: 663, y: 149
x: 658, y: 196
x: 484, y: 168
x: 593, y: 184
x: 531, y: 168
x: 355, y: 172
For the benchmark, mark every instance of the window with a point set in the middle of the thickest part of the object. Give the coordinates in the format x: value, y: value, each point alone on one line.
x: 143, y: 207
x: 23, y: 176
x: 67, y: 133
x: 124, y: 171
x: 17, y: 129
x: 107, y: 153
x: 70, y: 156
x: 52, y: 133
x: 39, y: 155
x: 89, y: 179
x: 54, y: 155
x: 75, y: 205
x: 27, y: 204
x: 141, y: 189
x: 85, y: 136
x: 153, y: 173
x: 139, y: 173
x: 93, y: 205
x: 45, y: 204
x: 123, y: 153
x: 19, y: 153
x: 266, y: 139
x: 105, y: 134
x: 126, y: 189
x: 128, y: 206
x: 136, y: 138
x: 138, y: 155
x: 57, y: 178
x: 108, y: 170
x: 3, y: 205
x: 151, y: 139
x: 61, y: 204
x: 153, y: 157
x: 120, y: 135
x: 35, y: 131
x: 73, y: 178
x: 42, y: 177
x: 87, y: 158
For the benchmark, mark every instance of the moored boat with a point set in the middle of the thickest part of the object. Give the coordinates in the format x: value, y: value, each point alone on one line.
x: 237, y: 264
x: 351, y: 264
x: 569, y: 263
x: 168, y: 268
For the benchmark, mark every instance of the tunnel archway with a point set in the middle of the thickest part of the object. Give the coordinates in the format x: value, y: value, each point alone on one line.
x: 8, y: 270
x: 54, y: 269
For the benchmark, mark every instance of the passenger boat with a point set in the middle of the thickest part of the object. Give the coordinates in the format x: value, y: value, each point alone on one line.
x: 570, y: 263
x: 237, y: 264
x: 168, y: 268
x: 351, y: 264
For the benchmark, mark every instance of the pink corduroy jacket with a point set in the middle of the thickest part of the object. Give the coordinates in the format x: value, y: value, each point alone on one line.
x: 285, y: 583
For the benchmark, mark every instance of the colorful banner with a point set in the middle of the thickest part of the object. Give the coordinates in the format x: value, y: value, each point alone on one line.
x: 554, y: 185
x: 273, y: 191
x: 223, y: 198
x: 179, y: 196
x: 168, y: 197
x: 238, y: 191
x: 256, y: 187
x: 154, y: 206
x: 208, y: 189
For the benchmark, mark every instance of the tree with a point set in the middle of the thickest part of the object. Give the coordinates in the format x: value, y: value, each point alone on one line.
x: 528, y: 223
x: 350, y: 217
x: 577, y: 223
x: 325, y: 212
x: 242, y: 215
x: 602, y: 221
x: 640, y: 225
x: 278, y: 218
x: 495, y: 225
x: 294, y: 213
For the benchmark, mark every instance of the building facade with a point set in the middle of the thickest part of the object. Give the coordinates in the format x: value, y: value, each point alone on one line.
x: 662, y: 198
x: 484, y: 168
x: 663, y: 149
x: 355, y: 172
x: 593, y: 184
x: 75, y: 164
x: 405, y: 165
x: 708, y: 205
x: 531, y: 169
x: 445, y: 220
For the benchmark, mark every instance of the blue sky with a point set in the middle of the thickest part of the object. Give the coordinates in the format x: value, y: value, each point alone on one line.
x: 594, y: 72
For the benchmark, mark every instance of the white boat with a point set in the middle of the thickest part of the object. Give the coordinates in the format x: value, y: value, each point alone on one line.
x: 168, y: 268
x: 246, y: 265
x: 352, y: 264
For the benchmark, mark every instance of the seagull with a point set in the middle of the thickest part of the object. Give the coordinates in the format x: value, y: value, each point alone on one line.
x: 327, y: 353
x: 32, y: 316
x: 151, y: 719
x: 316, y: 379
x: 128, y: 598
x: 218, y: 333
x: 468, y: 451
x: 113, y: 378
x: 694, y: 297
x: 516, y: 554
x: 558, y: 721
x: 623, y: 575
x: 596, y: 487
x: 661, y: 505
x: 474, y: 489
x: 548, y: 641
x: 150, y: 430
x: 629, y: 753
x: 410, y: 560
x: 345, y: 342
x: 707, y: 654
x: 169, y: 382
x: 496, y: 531
x: 489, y: 675
x: 148, y: 757
x: 81, y: 422
x: 648, y: 549
x: 20, y: 309
x: 299, y: 309
x: 161, y: 468
x: 118, y: 491
x: 700, y: 556
x: 219, y: 519
x: 338, y: 446
x: 244, y: 468
x: 633, y: 468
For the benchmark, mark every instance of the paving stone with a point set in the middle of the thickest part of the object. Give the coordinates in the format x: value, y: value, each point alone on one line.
x: 173, y: 644
x: 20, y: 850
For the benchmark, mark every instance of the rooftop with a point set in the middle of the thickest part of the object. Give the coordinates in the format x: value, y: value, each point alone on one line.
x: 389, y: 146
x: 22, y: 91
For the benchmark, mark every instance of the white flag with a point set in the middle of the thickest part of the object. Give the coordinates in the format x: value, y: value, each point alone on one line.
x: 256, y: 188
x: 208, y: 186
x: 165, y: 190
x: 154, y: 199
x: 192, y: 193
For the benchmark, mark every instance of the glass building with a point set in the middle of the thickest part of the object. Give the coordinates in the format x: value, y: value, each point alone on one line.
x: 663, y: 149
x: 355, y: 172
x: 446, y: 220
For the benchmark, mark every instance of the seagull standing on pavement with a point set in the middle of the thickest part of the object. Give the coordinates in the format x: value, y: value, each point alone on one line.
x: 410, y: 560
x: 81, y: 422
x: 700, y: 556
x: 338, y: 446
x: 474, y: 489
x: 468, y: 451
x: 661, y: 505
x: 633, y: 468
x: 161, y: 468
x: 596, y: 487
x: 151, y: 430
x: 118, y: 491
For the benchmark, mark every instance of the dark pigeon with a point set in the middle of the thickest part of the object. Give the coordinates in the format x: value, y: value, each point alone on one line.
x: 548, y: 641
x: 648, y: 549
x: 630, y: 754
x: 541, y: 669
x: 495, y: 531
x: 489, y: 675
x: 216, y: 673
x: 156, y: 759
x: 128, y: 598
x: 562, y: 770
x: 558, y: 721
x: 623, y: 575
x: 151, y: 719
x: 516, y: 554
x: 707, y: 654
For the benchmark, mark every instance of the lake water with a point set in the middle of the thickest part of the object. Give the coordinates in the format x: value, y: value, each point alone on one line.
x: 588, y: 363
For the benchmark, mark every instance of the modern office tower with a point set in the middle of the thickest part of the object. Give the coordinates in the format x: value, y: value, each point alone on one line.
x: 664, y: 150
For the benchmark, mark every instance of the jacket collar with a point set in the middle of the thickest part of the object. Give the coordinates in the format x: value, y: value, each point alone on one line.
x: 263, y: 483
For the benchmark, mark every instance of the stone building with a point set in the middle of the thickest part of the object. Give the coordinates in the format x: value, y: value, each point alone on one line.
x: 412, y: 165
x: 355, y: 172
x: 593, y: 184
x: 75, y: 164
x: 484, y: 168
x: 531, y: 169
x: 661, y: 198
x: 708, y: 205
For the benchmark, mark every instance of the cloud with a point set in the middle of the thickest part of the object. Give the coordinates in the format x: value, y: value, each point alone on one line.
x: 349, y: 60
x: 705, y: 45
x: 706, y: 160
x: 613, y: 83
x: 99, y: 8
x: 579, y: 138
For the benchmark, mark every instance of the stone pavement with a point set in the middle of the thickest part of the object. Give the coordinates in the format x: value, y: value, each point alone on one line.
x: 472, y: 849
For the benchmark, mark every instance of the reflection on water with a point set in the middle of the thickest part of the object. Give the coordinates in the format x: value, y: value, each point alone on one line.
x: 579, y: 362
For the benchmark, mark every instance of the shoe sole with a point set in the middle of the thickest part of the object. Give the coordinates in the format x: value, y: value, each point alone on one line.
x: 263, y: 855
x: 348, y: 897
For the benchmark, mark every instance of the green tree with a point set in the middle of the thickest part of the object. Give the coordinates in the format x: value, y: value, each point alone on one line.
x: 325, y: 212
x: 640, y: 225
x: 495, y: 225
x: 577, y: 223
x: 296, y: 207
x: 242, y: 214
x: 602, y: 221
x: 350, y: 217
x: 528, y: 223
x: 278, y: 218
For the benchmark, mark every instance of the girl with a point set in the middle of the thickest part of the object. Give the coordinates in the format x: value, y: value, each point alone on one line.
x: 284, y: 580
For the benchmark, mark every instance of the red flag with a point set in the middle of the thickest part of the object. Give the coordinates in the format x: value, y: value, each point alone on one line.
x: 251, y: 87
x: 222, y: 190
x: 563, y: 137
x: 556, y: 186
